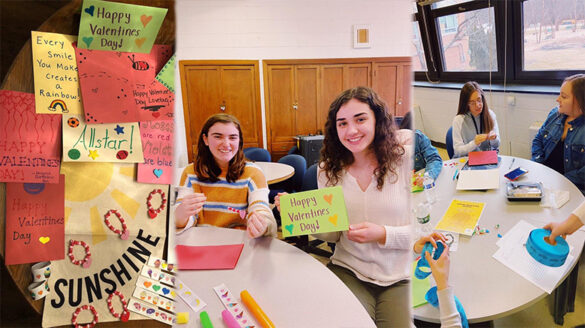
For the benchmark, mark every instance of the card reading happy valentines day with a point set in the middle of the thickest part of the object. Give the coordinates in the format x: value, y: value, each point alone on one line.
x: 35, y: 227
x: 314, y: 211
x: 119, y: 27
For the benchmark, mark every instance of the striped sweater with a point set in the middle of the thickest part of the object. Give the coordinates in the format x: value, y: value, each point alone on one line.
x: 229, y: 204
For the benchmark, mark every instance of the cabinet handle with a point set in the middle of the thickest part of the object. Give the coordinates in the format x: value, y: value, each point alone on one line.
x: 399, y: 102
x: 222, y: 108
x: 295, y: 106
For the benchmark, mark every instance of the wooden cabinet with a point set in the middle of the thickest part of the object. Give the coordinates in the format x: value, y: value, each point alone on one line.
x: 230, y: 87
x: 298, y: 93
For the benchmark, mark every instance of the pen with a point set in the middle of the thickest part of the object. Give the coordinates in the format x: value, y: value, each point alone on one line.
x: 456, y: 173
x: 512, y: 163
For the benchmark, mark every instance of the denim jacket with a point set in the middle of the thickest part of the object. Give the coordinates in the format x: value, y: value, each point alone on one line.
x: 426, y: 156
x: 574, y: 151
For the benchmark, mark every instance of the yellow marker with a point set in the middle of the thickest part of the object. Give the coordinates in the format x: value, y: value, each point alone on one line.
x: 257, y: 312
x: 182, y: 317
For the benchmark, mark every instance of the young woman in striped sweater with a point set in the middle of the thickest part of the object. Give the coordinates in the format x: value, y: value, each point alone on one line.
x: 228, y: 191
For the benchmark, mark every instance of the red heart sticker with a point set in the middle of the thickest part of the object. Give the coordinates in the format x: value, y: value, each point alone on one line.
x: 125, y: 316
x: 151, y: 214
x: 125, y: 234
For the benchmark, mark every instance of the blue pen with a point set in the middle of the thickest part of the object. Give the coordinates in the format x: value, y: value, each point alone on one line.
x: 456, y: 173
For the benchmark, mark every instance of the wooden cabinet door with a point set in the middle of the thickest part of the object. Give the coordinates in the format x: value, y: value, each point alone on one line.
x: 281, y: 96
x: 403, y: 89
x: 357, y: 75
x: 211, y: 87
x: 306, y: 99
x: 331, y: 86
x: 239, y: 98
x: 385, y: 83
x: 203, y: 89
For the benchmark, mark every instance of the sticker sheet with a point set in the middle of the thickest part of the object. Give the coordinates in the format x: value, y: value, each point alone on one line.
x: 30, y: 143
x: 55, y: 74
x: 116, y: 26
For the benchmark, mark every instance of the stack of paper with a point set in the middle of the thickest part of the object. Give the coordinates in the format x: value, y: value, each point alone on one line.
x: 513, y: 254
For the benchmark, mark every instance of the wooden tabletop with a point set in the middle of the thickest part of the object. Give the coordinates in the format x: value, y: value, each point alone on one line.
x: 20, y: 78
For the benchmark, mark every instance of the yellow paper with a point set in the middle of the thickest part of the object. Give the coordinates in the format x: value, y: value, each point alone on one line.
x: 55, y: 74
x: 116, y: 142
x: 461, y: 217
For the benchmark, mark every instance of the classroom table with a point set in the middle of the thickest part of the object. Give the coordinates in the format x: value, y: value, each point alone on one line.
x: 292, y: 287
x: 276, y: 172
x: 487, y: 288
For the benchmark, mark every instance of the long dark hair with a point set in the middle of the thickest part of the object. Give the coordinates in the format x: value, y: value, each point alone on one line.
x: 388, y: 150
x: 578, y: 89
x: 466, y: 91
x: 206, y: 168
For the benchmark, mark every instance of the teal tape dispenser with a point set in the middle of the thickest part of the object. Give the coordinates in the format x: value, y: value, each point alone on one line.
x: 539, y: 248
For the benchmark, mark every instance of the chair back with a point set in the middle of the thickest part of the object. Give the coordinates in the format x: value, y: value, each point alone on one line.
x: 449, y: 142
x: 310, y: 179
x: 299, y: 163
x: 257, y: 154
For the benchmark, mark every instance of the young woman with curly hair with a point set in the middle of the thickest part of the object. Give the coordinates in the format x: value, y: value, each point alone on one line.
x: 365, y: 154
x: 228, y: 191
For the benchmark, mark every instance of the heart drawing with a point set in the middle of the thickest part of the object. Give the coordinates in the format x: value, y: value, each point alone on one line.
x: 289, y: 227
x: 157, y: 172
x: 44, y: 240
x: 139, y: 42
x: 333, y: 219
x: 328, y: 198
x: 88, y: 40
x: 145, y: 20
x: 90, y: 10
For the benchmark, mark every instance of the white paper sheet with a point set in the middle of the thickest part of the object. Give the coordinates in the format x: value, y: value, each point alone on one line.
x: 478, y: 179
x: 513, y: 254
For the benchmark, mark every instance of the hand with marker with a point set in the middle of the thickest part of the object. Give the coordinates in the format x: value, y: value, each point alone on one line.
x: 190, y: 205
x: 367, y: 232
x: 277, y: 199
x: 257, y: 225
x: 432, y: 238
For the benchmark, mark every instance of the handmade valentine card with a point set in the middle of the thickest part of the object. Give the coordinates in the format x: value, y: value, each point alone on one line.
x: 30, y: 143
x: 119, y: 27
x: 157, y: 146
x: 35, y: 226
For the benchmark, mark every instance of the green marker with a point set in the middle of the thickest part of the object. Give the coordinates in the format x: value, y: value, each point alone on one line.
x: 205, y: 321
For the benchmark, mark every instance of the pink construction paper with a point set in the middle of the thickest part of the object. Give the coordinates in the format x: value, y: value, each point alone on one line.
x: 121, y: 86
x: 483, y: 157
x: 208, y: 257
x: 30, y: 143
x: 35, y: 227
x: 157, y: 147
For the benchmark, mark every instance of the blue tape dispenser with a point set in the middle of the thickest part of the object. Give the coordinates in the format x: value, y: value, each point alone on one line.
x: 551, y: 255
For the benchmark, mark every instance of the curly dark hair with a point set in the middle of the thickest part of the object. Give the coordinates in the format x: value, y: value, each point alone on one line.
x: 206, y: 168
x: 466, y: 91
x: 388, y: 150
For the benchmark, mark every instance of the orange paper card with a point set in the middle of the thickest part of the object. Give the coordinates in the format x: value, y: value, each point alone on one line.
x: 35, y: 229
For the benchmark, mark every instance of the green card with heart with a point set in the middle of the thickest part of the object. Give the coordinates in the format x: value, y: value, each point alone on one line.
x: 119, y: 27
x: 314, y: 211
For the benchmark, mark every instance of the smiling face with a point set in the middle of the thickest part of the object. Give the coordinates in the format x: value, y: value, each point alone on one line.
x: 356, y: 126
x: 222, y: 140
x: 566, y: 100
x: 475, y: 103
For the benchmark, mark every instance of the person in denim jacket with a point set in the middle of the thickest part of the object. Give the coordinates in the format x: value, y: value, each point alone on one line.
x: 560, y: 142
x: 426, y: 155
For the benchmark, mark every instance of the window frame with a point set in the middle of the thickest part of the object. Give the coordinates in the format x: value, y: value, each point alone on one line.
x: 508, y: 44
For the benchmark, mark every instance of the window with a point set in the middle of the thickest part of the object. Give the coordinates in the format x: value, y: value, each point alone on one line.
x: 528, y: 42
x: 419, y: 63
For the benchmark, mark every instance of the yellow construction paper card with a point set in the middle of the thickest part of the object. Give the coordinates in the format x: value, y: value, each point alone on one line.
x: 55, y: 74
x: 461, y: 217
x: 116, y: 142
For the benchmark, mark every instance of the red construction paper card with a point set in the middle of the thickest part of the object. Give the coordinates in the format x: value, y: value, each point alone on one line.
x: 121, y: 86
x: 30, y: 143
x: 208, y: 257
x: 35, y: 227
x: 483, y: 157
x: 157, y: 147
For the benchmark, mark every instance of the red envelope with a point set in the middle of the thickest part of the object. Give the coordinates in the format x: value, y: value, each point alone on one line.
x: 208, y: 257
x: 30, y: 143
x: 483, y: 157
x: 121, y: 86
x: 35, y: 227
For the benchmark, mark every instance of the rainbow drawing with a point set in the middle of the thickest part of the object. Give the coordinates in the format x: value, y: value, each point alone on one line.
x: 58, y: 103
